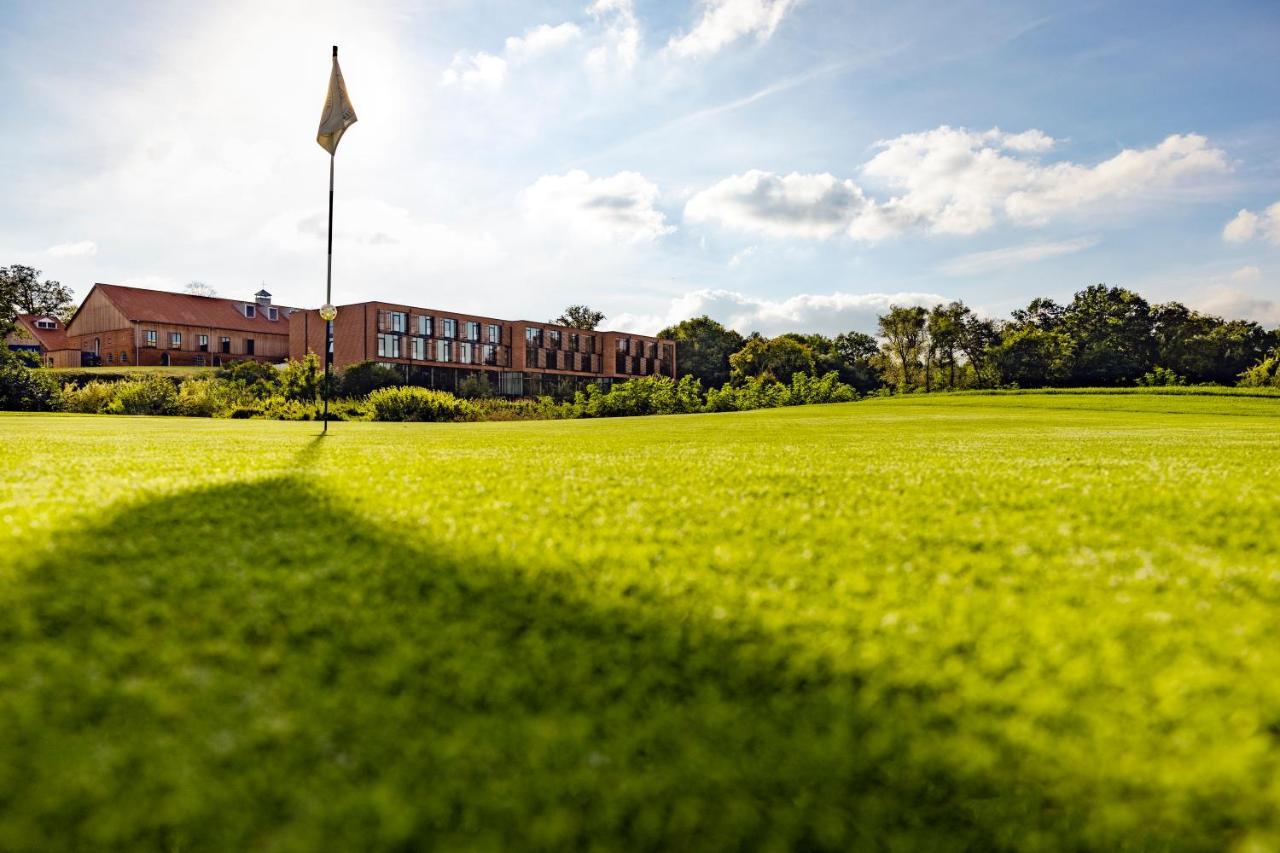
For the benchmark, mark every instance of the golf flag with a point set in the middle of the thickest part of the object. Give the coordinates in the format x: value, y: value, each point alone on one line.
x: 338, y: 113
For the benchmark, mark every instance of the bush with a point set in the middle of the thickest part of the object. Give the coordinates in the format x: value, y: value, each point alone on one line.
x: 1159, y: 377
x: 541, y: 409
x: 759, y: 392
x: 410, y: 403
x: 208, y: 398
x: 92, y: 398
x: 153, y: 395
x: 648, y: 395
x: 806, y: 390
x: 254, y: 377
x: 365, y: 377
x: 1264, y: 374
x: 24, y: 390
x: 302, y: 380
x: 475, y: 387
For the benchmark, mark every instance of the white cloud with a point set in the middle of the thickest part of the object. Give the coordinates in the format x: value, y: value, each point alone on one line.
x: 982, y: 262
x: 73, y: 250
x: 1248, y: 225
x: 951, y: 181
x: 476, y: 71
x: 1236, y: 304
x: 830, y: 313
x: 620, y: 41
x: 483, y: 70
x: 725, y: 21
x: 795, y: 205
x: 541, y: 40
x: 614, y: 209
x: 1246, y: 274
x: 738, y: 258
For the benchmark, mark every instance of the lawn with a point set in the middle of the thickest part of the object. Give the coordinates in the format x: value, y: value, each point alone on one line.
x: 967, y: 622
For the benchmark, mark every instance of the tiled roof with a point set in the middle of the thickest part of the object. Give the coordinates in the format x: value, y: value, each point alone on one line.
x: 185, y: 309
x: 50, y: 339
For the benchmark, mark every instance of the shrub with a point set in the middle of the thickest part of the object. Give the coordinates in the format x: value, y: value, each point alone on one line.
x: 92, y: 398
x: 541, y: 409
x: 1264, y: 374
x: 153, y: 395
x: 647, y: 395
x: 759, y: 392
x: 24, y: 390
x: 475, y: 387
x: 1159, y: 377
x: 410, y: 403
x: 806, y: 390
x: 365, y: 377
x: 256, y: 378
x: 208, y: 398
x: 302, y: 380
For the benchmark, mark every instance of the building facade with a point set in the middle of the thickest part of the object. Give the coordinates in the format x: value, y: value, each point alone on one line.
x: 440, y: 349
x: 45, y: 338
x: 117, y: 325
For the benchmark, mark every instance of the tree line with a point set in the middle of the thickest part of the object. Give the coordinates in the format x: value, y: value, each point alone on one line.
x: 1105, y: 336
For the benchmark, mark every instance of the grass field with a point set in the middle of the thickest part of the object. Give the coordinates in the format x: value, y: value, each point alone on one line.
x: 961, y: 622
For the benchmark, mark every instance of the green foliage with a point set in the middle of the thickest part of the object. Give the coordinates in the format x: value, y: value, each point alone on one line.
x: 1264, y: 374
x: 807, y: 390
x: 22, y: 292
x: 647, y: 395
x: 703, y: 347
x: 364, y: 377
x: 151, y: 395
x: 948, y: 622
x: 580, y: 317
x: 410, y: 403
x: 1032, y: 356
x: 772, y: 359
x: 26, y: 390
x: 760, y: 392
x: 302, y: 380
x: 903, y: 330
x: 209, y: 398
x: 1160, y: 377
x: 92, y: 398
x: 475, y: 387
x: 255, y: 378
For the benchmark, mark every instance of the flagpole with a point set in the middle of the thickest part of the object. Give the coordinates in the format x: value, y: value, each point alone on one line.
x: 328, y: 288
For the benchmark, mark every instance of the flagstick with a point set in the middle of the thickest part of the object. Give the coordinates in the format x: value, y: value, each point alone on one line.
x: 328, y: 295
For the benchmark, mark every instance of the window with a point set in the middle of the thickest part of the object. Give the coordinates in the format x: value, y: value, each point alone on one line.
x: 490, y: 354
x: 273, y: 313
x: 150, y: 337
x: 473, y: 330
x: 399, y: 321
x: 591, y: 343
x: 464, y: 353
x: 175, y: 340
x: 623, y: 345
x: 553, y: 338
x: 532, y: 336
x: 204, y: 343
x: 250, y: 311
x: 109, y: 358
x: 442, y: 351
x: 419, y: 349
x: 46, y: 324
x: 248, y: 346
x: 495, y: 333
x: 573, y: 341
x: 450, y: 328
x: 424, y: 326
x: 388, y: 346
x: 225, y: 344
x: 124, y: 357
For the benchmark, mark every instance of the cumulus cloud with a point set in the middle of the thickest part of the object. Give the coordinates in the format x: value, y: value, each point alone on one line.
x: 795, y: 205
x: 483, y: 70
x: 830, y: 313
x: 982, y: 262
x: 73, y: 250
x: 950, y: 181
x: 725, y: 21
x: 1248, y: 225
x: 737, y: 259
x: 620, y: 40
x: 1235, y: 303
x: 613, y: 209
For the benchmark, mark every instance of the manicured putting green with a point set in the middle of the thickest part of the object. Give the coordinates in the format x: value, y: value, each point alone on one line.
x: 964, y: 622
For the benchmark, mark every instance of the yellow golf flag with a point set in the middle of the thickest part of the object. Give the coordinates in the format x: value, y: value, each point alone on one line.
x: 338, y: 113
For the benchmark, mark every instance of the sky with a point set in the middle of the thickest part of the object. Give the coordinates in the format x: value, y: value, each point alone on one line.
x: 782, y: 165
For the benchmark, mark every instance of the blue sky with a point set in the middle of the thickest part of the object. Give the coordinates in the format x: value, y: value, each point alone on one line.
x: 780, y: 164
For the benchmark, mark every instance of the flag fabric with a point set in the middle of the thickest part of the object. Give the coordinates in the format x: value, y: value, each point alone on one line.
x: 338, y: 113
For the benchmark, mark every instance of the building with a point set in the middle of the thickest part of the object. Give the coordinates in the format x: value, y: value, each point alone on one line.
x: 439, y: 349
x: 45, y: 337
x: 131, y: 325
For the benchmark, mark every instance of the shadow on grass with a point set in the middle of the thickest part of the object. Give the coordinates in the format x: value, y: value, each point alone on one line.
x: 252, y: 666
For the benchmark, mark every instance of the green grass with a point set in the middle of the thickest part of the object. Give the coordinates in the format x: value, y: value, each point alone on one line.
x: 960, y: 622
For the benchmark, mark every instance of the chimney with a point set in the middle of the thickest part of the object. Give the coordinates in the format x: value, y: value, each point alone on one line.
x: 262, y: 297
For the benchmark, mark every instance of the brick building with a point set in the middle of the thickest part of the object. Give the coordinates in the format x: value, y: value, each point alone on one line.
x: 517, y: 357
x: 131, y: 325
x: 46, y: 338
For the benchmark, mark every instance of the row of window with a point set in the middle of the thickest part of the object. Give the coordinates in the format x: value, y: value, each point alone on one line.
x: 557, y: 360
x: 421, y: 349
x: 425, y: 326
x: 556, y: 339
x: 150, y: 336
x: 251, y: 311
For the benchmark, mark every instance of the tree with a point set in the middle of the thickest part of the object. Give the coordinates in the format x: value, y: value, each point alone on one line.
x: 945, y: 326
x: 703, y: 347
x: 977, y: 338
x: 1111, y: 336
x: 22, y: 292
x: 364, y: 377
x: 1031, y: 357
x: 580, y: 317
x: 903, y: 330
x: 849, y: 355
x: 778, y: 358
x: 199, y: 288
